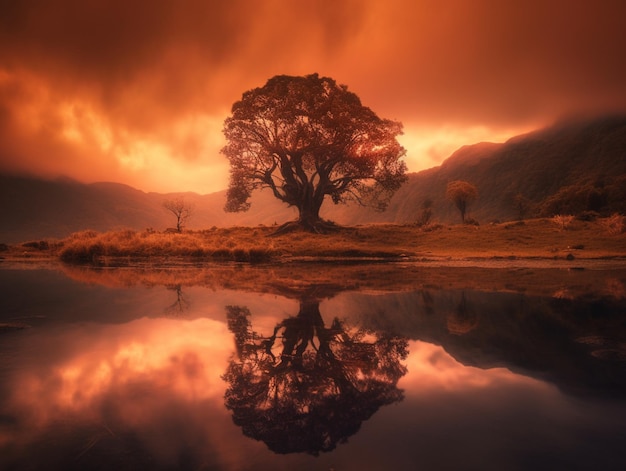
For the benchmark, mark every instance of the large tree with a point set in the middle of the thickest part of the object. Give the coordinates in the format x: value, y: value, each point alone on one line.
x: 306, y: 138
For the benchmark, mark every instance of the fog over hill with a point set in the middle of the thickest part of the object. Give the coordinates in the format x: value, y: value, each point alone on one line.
x: 571, y: 167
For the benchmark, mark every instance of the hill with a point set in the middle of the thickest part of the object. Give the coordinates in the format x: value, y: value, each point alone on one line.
x: 31, y: 208
x: 571, y: 167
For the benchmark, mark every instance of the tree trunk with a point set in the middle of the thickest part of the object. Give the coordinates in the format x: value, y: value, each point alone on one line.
x: 309, y: 215
x: 462, y: 208
x: 308, y: 203
x: 309, y: 210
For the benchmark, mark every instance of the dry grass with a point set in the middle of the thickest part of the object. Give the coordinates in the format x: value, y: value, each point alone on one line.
x: 533, y: 239
x: 88, y: 247
x: 538, y: 238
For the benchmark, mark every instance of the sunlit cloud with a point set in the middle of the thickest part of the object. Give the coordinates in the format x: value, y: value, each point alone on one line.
x: 429, y: 146
x: 189, y: 149
x: 145, y: 105
x: 82, y: 142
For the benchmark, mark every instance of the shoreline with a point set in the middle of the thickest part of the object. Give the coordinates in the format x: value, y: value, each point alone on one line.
x: 533, y: 243
x: 616, y: 261
x: 555, y: 279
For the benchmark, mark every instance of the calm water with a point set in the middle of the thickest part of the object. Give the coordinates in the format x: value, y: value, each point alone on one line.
x: 124, y: 371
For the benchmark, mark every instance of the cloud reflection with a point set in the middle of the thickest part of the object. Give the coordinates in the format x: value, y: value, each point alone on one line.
x: 149, y: 393
x: 141, y: 378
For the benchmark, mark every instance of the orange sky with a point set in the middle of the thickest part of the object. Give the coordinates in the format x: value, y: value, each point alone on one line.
x: 136, y: 92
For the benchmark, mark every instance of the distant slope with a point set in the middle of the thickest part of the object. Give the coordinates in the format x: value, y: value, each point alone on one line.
x: 35, y: 209
x: 567, y: 168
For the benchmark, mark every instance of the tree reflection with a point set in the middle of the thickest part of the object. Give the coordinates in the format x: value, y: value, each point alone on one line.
x: 308, y: 387
x: 463, y: 319
x: 181, y: 304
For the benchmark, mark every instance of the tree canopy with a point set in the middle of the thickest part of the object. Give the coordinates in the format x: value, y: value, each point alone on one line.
x: 462, y: 194
x: 305, y: 138
x: 181, y: 209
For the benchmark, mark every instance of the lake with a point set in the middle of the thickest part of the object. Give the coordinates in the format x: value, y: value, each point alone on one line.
x: 312, y: 367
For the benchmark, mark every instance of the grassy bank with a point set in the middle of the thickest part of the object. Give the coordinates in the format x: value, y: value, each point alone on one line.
x: 533, y: 239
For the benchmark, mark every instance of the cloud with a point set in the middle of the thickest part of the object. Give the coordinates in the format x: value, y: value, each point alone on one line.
x: 167, y: 57
x: 140, y: 76
x: 490, y: 62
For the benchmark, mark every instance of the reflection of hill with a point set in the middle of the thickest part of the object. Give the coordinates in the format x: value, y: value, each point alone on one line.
x: 578, y: 344
x: 565, y: 326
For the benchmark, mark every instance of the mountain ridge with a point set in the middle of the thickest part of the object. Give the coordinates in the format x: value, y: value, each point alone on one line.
x: 571, y: 167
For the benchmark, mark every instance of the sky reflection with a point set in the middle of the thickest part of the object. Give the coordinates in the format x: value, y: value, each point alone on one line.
x: 138, y: 366
x: 159, y: 381
x: 149, y: 392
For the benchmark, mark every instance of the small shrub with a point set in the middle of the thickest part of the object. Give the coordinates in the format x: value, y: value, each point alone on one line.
x: 83, y: 253
x: 87, y: 234
x: 432, y: 227
x: 126, y: 234
x: 39, y: 245
x: 563, y: 221
x: 614, y: 224
x: 426, y: 214
x: 515, y: 224
x: 424, y: 218
x: 471, y: 222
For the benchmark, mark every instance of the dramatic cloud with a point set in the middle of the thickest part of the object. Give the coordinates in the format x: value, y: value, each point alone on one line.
x: 137, y: 91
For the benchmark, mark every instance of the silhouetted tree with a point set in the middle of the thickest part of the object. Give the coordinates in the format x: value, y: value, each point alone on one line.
x: 315, y: 387
x: 463, y: 319
x: 306, y: 138
x: 462, y: 194
x: 181, y: 304
x: 522, y: 205
x: 426, y: 212
x: 179, y: 208
x: 596, y: 199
